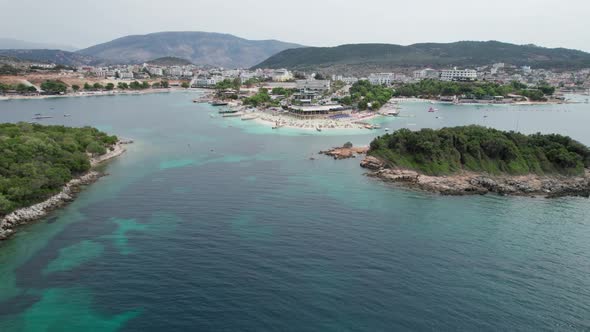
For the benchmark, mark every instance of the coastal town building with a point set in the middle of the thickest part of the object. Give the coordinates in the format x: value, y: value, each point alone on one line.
x: 427, y: 73
x: 313, y: 85
x: 458, y: 75
x: 282, y: 75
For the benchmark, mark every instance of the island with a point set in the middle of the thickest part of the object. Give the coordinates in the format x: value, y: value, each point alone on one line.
x: 477, y: 160
x: 43, y: 167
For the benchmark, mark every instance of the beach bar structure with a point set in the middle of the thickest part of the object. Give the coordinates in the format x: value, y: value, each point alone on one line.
x: 314, y: 111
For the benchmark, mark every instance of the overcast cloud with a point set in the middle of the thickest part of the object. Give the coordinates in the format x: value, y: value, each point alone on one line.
x: 310, y: 22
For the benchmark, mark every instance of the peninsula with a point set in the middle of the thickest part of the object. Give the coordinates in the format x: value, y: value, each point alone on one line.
x: 42, y: 168
x: 477, y: 160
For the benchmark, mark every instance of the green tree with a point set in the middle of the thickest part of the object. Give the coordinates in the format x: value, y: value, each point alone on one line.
x: 185, y: 85
x: 109, y: 86
x: 75, y: 87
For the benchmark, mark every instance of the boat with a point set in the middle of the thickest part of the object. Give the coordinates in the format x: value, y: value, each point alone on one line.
x: 318, y: 128
x: 277, y: 125
x: 232, y: 115
x: 393, y: 113
x: 431, y: 110
x: 249, y: 117
x: 42, y: 117
x: 219, y: 103
x: 37, y: 114
x: 228, y: 112
x: 67, y: 115
x: 386, y: 129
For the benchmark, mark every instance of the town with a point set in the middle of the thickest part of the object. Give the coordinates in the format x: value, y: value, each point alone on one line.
x: 293, y: 98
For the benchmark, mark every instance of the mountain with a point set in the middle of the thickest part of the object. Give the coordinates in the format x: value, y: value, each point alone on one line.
x: 9, y: 43
x: 201, y: 48
x: 51, y: 56
x: 169, y: 61
x: 381, y: 57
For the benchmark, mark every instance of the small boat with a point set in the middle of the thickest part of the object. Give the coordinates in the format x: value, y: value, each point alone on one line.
x: 219, y: 103
x: 277, y: 126
x: 228, y: 111
x: 67, y: 115
x: 393, y: 113
x: 37, y: 114
x: 232, y: 115
x: 431, y: 110
x: 42, y: 117
x: 318, y: 128
x: 386, y: 129
x: 249, y: 117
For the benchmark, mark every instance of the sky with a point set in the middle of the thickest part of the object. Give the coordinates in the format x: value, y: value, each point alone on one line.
x: 548, y: 23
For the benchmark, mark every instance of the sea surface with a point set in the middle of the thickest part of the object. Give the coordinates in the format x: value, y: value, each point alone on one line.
x: 212, y: 224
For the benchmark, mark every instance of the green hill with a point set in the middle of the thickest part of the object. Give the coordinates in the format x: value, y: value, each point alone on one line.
x: 169, y: 61
x: 479, y: 149
x: 382, y: 57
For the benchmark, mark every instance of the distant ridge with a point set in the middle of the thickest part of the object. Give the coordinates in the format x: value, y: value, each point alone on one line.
x: 201, y: 48
x: 15, y: 44
x: 381, y: 57
x: 51, y: 56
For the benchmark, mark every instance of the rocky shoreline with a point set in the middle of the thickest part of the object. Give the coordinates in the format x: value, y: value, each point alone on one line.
x: 10, y: 222
x: 345, y: 152
x: 470, y: 183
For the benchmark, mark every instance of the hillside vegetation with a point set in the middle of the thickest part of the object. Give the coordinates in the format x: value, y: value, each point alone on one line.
x: 169, y: 61
x: 201, y: 48
x: 477, y: 90
x: 364, y: 58
x: 37, y: 161
x: 479, y: 149
x: 52, y: 56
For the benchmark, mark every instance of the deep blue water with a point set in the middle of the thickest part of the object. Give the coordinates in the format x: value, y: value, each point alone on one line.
x: 210, y: 224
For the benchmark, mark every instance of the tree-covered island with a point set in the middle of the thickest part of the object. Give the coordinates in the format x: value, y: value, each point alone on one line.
x: 474, y: 159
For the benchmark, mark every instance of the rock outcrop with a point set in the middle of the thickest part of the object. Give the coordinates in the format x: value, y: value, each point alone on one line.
x: 345, y: 152
x: 470, y: 183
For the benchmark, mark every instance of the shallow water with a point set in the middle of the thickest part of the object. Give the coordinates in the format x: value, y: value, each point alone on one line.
x: 221, y: 224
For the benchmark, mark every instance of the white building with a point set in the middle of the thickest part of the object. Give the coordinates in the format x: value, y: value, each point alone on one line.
x: 458, y: 75
x: 125, y: 75
x: 282, y: 75
x: 313, y: 85
x: 427, y: 73
x: 386, y: 78
x: 156, y: 71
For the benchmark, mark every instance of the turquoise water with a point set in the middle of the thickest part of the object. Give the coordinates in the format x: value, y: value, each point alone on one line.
x: 213, y: 224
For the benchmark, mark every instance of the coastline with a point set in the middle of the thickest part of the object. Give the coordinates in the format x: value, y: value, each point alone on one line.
x: 10, y: 223
x: 94, y: 94
x: 284, y: 120
x: 472, y: 183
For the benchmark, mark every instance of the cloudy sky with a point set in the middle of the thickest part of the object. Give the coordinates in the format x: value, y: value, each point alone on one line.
x: 548, y: 23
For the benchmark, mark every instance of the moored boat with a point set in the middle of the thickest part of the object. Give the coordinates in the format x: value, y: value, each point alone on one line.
x: 232, y: 115
x: 219, y: 103
x: 249, y: 117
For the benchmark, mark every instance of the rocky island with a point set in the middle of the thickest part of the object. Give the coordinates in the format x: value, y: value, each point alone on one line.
x: 477, y: 160
x: 44, y: 167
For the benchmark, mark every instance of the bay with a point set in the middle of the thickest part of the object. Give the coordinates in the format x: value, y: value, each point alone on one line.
x: 216, y: 224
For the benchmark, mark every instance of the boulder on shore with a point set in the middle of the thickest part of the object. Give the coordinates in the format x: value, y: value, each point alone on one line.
x: 372, y: 163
